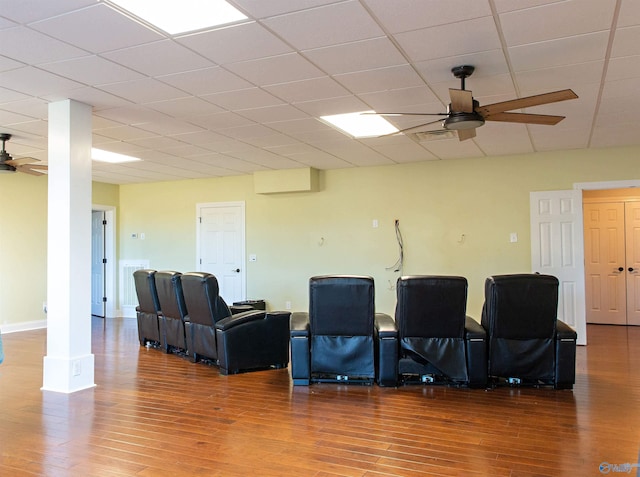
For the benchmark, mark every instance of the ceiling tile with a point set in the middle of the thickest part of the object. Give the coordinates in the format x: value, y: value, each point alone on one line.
x: 629, y: 14
x: 381, y: 79
x: 550, y: 20
x: 414, y: 100
x: 159, y: 58
x: 560, y: 77
x: 308, y: 90
x: 486, y: 63
x: 272, y: 114
x: 417, y: 14
x: 623, y: 68
x: 185, y: 107
x: 262, y: 9
x: 565, y: 51
x: 206, y: 81
x: 243, y: 42
x: 36, y: 82
x: 471, y: 36
x: 452, y: 148
x: 338, y: 105
x: 356, y: 56
x: 34, y: 48
x: 626, y: 42
x: 91, y: 70
x: 145, y: 90
x: 275, y: 69
x: 243, y: 99
x: 324, y: 26
x: 27, y: 11
x: 93, y: 29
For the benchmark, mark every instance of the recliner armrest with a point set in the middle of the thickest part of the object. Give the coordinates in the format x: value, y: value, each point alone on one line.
x: 385, y: 326
x: 473, y: 329
x: 564, y: 331
x: 386, y: 349
x: 240, y: 318
x: 299, y: 324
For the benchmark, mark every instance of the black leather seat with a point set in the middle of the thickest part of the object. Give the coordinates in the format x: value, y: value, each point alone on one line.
x: 527, y: 343
x: 148, y: 307
x: 338, y: 340
x: 173, y: 310
x: 437, y: 341
x: 245, y: 341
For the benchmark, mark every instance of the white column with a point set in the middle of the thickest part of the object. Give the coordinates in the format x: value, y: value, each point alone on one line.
x: 69, y: 365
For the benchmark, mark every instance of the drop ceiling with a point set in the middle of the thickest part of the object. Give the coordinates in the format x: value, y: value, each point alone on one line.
x: 247, y: 97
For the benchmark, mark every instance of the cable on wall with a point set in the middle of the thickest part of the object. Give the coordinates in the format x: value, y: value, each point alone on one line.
x: 399, y: 265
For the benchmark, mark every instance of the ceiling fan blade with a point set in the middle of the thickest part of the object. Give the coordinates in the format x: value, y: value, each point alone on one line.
x: 21, y: 160
x: 461, y: 100
x: 527, y: 102
x: 526, y: 118
x: 32, y: 170
x: 409, y: 114
x: 464, y: 134
x: 418, y: 127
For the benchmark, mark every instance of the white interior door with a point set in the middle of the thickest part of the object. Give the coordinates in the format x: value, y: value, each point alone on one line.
x: 632, y: 225
x: 557, y: 248
x: 221, y: 246
x: 98, y: 264
x: 604, y: 242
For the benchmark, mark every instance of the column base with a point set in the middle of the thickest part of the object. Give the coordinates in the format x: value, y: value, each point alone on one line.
x: 68, y: 375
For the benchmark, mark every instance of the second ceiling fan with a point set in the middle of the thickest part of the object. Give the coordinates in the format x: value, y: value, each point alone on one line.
x: 465, y: 114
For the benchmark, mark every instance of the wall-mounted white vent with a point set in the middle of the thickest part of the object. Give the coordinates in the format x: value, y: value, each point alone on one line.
x: 128, y: 297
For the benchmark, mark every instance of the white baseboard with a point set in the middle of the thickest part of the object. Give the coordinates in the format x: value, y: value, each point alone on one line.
x: 24, y: 326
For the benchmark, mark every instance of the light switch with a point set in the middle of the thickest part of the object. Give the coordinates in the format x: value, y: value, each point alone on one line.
x: 513, y: 237
x: 253, y: 257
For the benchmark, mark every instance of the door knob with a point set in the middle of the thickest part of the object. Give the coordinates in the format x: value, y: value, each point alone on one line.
x: 621, y: 269
x: 237, y: 270
x: 631, y: 269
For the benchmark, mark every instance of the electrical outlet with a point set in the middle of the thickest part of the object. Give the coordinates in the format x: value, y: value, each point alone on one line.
x: 513, y: 237
x: 76, y: 367
x: 287, y: 305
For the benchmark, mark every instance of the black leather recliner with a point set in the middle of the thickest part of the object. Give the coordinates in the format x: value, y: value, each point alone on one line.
x: 527, y: 343
x: 148, y: 307
x: 246, y: 341
x: 340, y: 338
x: 172, y: 310
x: 437, y: 341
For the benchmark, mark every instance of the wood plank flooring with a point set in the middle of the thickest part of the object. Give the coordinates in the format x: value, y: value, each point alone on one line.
x: 160, y: 415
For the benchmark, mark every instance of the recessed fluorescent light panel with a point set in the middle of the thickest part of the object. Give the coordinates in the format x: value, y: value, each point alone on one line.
x: 361, y: 125
x: 182, y: 16
x: 113, y: 157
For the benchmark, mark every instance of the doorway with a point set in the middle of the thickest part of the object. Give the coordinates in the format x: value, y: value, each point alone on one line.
x: 612, y: 256
x: 103, y: 252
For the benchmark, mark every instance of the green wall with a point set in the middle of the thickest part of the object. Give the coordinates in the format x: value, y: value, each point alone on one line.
x: 23, y: 244
x: 437, y: 202
x: 455, y: 217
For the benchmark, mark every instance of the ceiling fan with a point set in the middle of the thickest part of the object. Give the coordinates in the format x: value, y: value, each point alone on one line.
x: 24, y: 164
x: 465, y: 114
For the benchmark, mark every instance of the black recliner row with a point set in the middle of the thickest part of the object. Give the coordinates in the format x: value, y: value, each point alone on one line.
x: 185, y: 312
x: 519, y: 340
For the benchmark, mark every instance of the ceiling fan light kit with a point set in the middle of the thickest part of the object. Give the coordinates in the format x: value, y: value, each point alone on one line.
x: 465, y: 114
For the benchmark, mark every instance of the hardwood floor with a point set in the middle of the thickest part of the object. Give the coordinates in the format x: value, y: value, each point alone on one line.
x: 157, y: 415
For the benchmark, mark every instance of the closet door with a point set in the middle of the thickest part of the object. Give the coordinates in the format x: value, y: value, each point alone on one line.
x: 632, y: 269
x: 605, y: 264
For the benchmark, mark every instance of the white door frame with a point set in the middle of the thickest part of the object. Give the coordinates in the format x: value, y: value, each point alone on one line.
x: 241, y: 204
x: 110, y: 255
